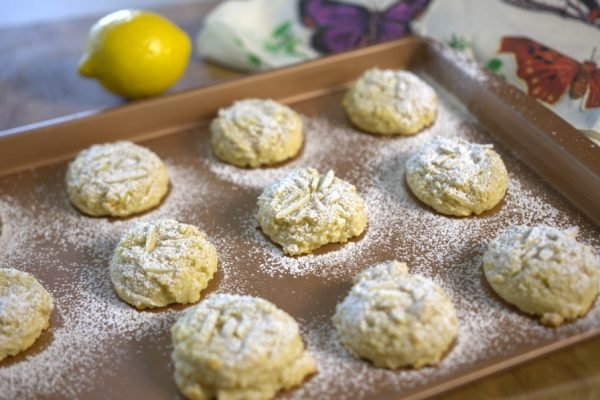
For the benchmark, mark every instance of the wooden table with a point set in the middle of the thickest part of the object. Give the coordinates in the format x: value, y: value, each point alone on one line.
x: 38, y: 69
x: 38, y: 81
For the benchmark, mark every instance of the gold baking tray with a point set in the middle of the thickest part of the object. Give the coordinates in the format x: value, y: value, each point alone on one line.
x: 99, y: 347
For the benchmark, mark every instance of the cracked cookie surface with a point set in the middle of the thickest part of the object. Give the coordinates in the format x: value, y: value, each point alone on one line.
x: 306, y: 210
x: 456, y: 177
x: 238, y: 348
x: 162, y: 262
x: 391, y: 102
x: 25, y: 308
x: 395, y: 319
x: 543, y: 271
x: 256, y: 132
x: 116, y: 179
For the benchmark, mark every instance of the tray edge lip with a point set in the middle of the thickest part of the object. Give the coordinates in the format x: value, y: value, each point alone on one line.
x: 110, y: 111
x: 503, y: 365
x: 181, y: 95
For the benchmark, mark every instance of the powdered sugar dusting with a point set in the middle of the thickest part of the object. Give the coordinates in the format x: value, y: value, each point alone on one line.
x: 457, y: 177
x: 116, y: 179
x: 480, y: 336
x: 306, y: 210
x: 402, y: 102
x: 259, y: 178
x: 89, y: 317
x: 379, y: 176
x: 96, y: 338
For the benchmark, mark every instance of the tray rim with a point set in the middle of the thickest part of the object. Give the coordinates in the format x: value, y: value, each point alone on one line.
x: 552, y: 133
x: 493, y: 84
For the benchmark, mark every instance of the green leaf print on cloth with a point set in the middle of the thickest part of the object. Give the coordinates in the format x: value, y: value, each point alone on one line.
x: 283, y: 40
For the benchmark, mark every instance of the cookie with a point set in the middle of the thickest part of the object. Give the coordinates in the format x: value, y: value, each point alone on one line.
x: 395, y: 319
x: 25, y: 308
x: 456, y: 177
x: 543, y: 271
x: 162, y: 262
x: 238, y: 347
x: 255, y: 132
x: 390, y: 102
x: 116, y: 179
x: 305, y: 210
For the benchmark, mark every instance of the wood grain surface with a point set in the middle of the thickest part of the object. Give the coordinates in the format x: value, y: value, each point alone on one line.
x: 38, y: 81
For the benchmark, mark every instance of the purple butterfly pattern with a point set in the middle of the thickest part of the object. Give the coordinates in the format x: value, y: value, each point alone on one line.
x: 341, y: 26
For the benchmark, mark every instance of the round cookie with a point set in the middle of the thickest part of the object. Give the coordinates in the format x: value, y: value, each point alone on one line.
x: 25, y: 308
x: 256, y: 132
x: 162, y: 262
x: 395, y: 319
x: 305, y: 210
x: 238, y: 347
x: 456, y: 177
x: 543, y: 271
x: 116, y: 179
x: 390, y: 102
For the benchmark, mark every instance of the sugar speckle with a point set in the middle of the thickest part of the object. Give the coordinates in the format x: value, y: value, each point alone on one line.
x: 95, y: 337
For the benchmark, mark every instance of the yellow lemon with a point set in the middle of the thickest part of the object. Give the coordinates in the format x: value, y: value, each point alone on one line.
x: 135, y: 53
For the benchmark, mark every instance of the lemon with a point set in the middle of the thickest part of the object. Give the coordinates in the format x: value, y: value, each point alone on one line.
x: 135, y: 53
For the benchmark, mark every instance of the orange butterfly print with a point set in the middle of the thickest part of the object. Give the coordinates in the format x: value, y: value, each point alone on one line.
x: 548, y: 73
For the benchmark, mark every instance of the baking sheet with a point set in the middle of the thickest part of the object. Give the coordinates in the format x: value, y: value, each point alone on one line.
x: 99, y: 347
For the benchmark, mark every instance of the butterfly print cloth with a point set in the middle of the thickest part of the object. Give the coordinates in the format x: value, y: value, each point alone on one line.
x: 340, y: 26
x: 546, y: 48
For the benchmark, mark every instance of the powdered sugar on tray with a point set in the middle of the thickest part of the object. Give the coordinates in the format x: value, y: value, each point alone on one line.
x: 258, y: 178
x: 94, y: 335
x: 446, y: 249
x: 88, y: 315
x: 479, y: 336
x: 379, y: 177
